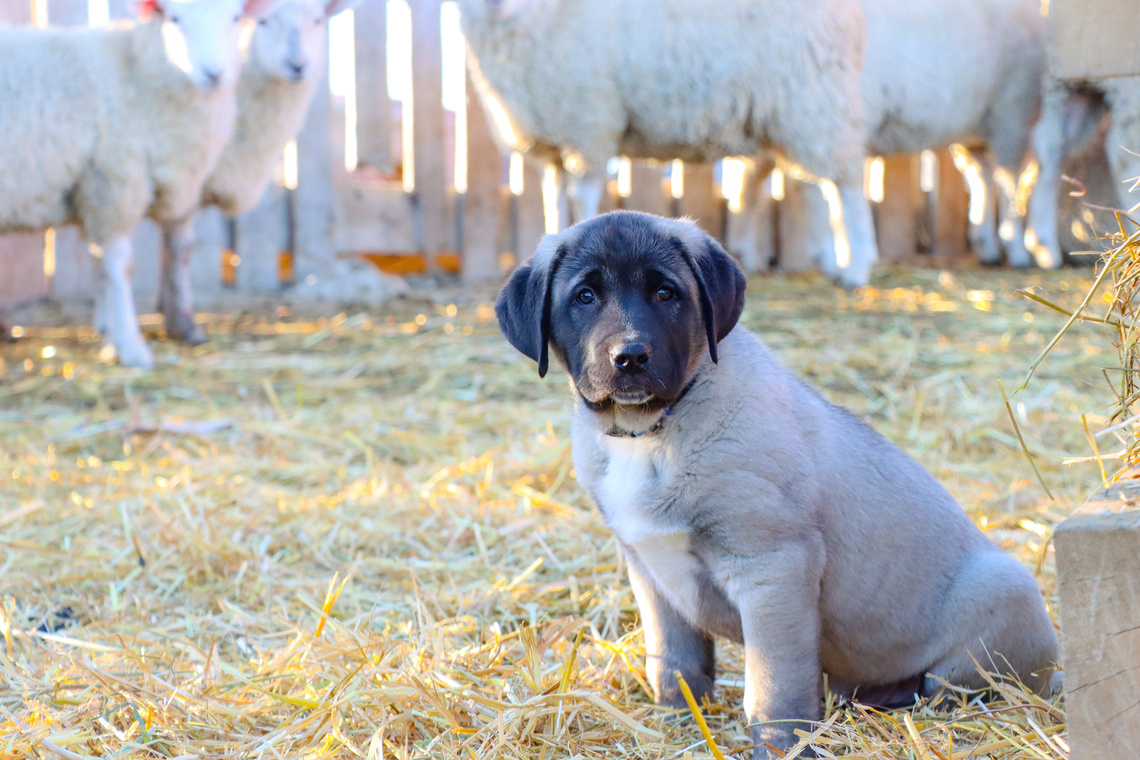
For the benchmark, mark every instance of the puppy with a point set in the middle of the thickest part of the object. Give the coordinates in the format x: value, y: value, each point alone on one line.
x: 748, y: 506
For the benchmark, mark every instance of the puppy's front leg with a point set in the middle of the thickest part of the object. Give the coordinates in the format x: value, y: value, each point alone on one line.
x: 779, y: 613
x: 671, y: 643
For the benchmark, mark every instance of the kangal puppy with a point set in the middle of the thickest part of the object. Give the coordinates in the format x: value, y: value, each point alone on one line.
x: 286, y: 57
x: 747, y: 505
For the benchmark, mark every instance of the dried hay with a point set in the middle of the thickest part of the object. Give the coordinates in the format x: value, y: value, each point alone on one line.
x: 360, y: 536
x: 1110, y: 302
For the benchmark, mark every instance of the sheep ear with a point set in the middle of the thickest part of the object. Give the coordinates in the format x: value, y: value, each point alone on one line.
x: 149, y: 9
x: 257, y: 8
x: 525, y: 303
x: 720, y: 285
x: 333, y: 7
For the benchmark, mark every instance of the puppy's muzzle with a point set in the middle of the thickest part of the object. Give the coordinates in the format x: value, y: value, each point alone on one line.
x: 630, y: 358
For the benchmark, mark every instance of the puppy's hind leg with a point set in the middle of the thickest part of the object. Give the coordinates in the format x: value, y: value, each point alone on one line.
x: 1002, y: 623
x: 671, y: 644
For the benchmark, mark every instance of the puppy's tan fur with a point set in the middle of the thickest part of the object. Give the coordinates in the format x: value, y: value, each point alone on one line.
x: 760, y: 512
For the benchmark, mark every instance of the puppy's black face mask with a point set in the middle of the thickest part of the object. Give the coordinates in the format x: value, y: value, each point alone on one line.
x: 626, y: 306
x: 625, y: 318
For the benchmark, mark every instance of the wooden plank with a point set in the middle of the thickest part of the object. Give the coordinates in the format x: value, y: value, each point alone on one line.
x: 262, y: 236
x: 481, y: 205
x: 74, y: 277
x: 121, y: 9
x: 428, y: 135
x: 531, y: 217
x: 1094, y: 38
x: 21, y: 254
x: 375, y: 217
x: 798, y: 211
x: 1098, y: 576
x: 700, y: 201
x: 647, y: 191
x: 951, y: 214
x: 146, y: 264
x: 751, y: 230
x: 902, y: 201
x: 373, y: 110
x: 75, y: 272
x: 67, y: 12
x: 210, y: 237
x: 16, y: 11
x: 314, y: 200
x: 22, y: 262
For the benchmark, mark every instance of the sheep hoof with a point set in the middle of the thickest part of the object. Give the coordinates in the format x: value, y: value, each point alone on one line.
x: 183, y: 328
x: 136, y: 355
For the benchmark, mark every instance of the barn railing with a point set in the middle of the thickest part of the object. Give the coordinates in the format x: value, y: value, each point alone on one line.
x: 420, y: 187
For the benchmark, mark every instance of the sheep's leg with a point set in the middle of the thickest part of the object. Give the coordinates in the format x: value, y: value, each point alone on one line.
x: 817, y: 232
x: 1120, y: 141
x: 1042, y: 235
x: 99, y: 322
x: 1003, y: 178
x: 564, y: 211
x: 1067, y: 120
x: 852, y: 230
x: 120, y: 321
x: 743, y: 223
x: 586, y: 193
x: 175, y: 297
x: 983, y: 233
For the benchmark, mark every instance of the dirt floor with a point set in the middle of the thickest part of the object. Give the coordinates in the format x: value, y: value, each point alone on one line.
x: 360, y: 536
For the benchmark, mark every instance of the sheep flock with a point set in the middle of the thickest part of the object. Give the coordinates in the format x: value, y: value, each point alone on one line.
x: 191, y: 106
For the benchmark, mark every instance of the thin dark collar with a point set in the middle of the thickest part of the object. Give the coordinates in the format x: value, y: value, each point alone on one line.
x: 616, y: 432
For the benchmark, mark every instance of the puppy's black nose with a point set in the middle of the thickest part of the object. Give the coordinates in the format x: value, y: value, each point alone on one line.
x: 630, y: 358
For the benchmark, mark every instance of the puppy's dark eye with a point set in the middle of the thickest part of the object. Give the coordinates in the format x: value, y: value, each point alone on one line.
x: 585, y: 296
x: 665, y: 294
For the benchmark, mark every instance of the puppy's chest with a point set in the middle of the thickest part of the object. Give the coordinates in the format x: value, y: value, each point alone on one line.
x: 638, y: 498
x: 634, y: 490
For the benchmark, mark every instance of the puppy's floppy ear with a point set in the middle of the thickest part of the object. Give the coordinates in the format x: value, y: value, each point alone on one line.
x: 720, y: 284
x: 524, y: 304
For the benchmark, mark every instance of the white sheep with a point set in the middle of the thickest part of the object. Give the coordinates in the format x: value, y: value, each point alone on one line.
x: 101, y: 127
x: 956, y: 71
x: 580, y: 81
x: 1070, y: 116
x: 284, y: 62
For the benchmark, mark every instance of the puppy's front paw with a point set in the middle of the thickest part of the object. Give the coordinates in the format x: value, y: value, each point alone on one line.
x: 669, y: 692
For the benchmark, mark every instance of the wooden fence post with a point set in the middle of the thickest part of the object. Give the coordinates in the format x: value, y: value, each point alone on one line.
x: 802, y: 208
x: 74, y: 276
x: 373, y: 110
x: 902, y: 200
x: 1098, y: 577
x: 428, y: 149
x: 646, y: 191
x: 262, y: 234
x: 21, y: 254
x: 751, y: 230
x: 700, y: 201
x: 482, y: 204
x: 314, y: 199
x: 951, y: 213
x: 531, y: 214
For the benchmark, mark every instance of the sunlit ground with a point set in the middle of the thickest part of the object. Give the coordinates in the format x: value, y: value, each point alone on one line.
x: 168, y: 540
